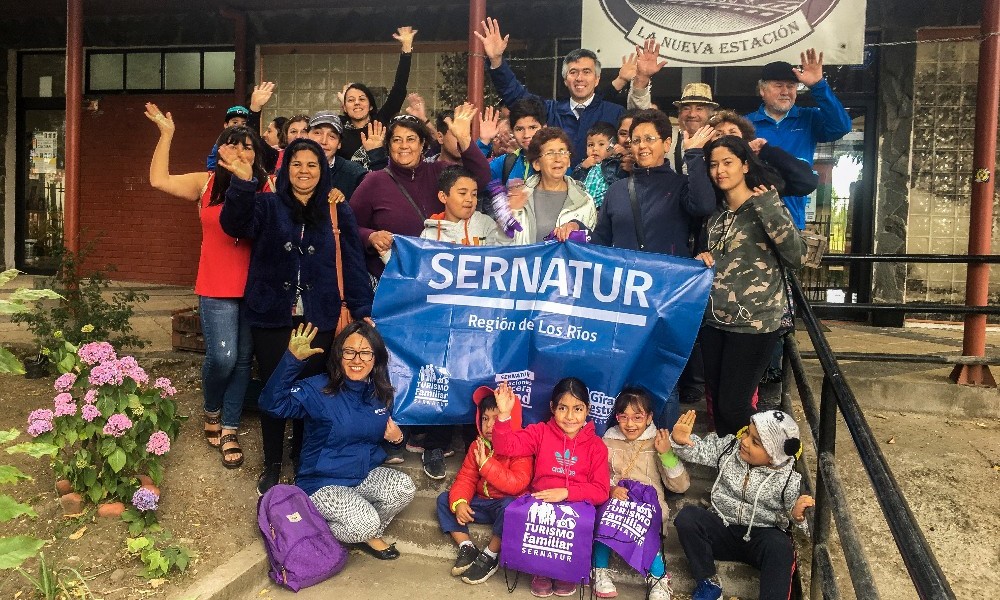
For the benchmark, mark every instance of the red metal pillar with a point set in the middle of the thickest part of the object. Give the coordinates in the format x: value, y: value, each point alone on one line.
x: 981, y: 215
x: 239, y: 19
x: 477, y: 14
x: 74, y: 111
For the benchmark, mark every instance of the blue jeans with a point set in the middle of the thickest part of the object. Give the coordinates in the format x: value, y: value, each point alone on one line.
x: 667, y: 415
x: 485, y: 510
x: 228, y: 352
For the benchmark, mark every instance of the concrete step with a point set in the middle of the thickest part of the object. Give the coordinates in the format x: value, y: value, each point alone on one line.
x: 416, y: 530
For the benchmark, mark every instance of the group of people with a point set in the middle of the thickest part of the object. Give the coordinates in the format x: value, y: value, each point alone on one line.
x: 302, y: 224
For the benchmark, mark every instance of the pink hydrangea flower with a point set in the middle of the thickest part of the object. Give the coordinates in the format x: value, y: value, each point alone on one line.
x: 166, y: 389
x: 89, y: 412
x: 91, y: 396
x: 37, y: 428
x: 130, y: 368
x: 106, y: 373
x: 40, y: 414
x: 158, y: 444
x: 66, y: 409
x: 96, y: 352
x: 117, y: 425
x: 65, y: 382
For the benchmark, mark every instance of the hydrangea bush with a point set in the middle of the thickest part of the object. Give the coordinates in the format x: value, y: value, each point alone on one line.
x: 110, y: 425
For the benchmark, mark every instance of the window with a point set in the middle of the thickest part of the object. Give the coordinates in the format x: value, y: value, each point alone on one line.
x: 174, y: 70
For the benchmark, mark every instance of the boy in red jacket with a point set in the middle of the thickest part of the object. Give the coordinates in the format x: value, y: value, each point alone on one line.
x: 484, y: 486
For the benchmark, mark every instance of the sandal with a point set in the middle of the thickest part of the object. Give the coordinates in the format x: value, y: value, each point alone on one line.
x: 231, y: 463
x: 213, y: 434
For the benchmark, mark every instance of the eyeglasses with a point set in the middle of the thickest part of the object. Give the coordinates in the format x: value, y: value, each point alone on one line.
x: 351, y: 354
x: 638, y: 419
x: 649, y: 139
x: 552, y: 153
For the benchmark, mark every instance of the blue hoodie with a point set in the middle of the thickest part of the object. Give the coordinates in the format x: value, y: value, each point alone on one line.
x: 341, y: 440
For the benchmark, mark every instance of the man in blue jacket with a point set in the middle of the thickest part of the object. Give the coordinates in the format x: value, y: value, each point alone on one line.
x: 581, y: 73
x: 798, y: 129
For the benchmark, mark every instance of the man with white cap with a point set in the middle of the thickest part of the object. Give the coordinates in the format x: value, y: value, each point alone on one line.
x: 694, y: 109
x: 798, y: 129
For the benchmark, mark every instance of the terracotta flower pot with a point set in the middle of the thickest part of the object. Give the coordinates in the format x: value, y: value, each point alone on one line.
x: 72, y: 503
x: 152, y: 488
x: 63, y: 487
x: 111, y: 509
x: 144, y: 480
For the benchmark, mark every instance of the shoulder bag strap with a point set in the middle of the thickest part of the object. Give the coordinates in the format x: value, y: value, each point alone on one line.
x: 406, y: 194
x: 336, y: 251
x: 508, y: 165
x: 636, y: 213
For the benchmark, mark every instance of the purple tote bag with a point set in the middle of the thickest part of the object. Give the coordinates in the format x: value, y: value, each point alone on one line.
x: 632, y: 527
x: 551, y: 539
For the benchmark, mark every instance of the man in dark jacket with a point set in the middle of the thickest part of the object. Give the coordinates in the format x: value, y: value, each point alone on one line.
x: 581, y: 73
x: 325, y: 128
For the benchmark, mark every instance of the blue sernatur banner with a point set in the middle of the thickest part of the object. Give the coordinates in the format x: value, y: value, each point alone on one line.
x: 457, y: 317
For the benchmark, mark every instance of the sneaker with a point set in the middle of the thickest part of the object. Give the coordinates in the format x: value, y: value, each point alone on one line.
x: 414, y: 447
x: 541, y: 587
x: 467, y: 554
x: 564, y: 588
x: 434, y: 463
x: 393, y: 456
x: 269, y: 478
x: 659, y: 588
x: 707, y: 589
x: 602, y: 584
x: 481, y: 570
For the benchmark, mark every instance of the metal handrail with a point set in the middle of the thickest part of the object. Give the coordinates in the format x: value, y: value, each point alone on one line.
x: 925, y: 572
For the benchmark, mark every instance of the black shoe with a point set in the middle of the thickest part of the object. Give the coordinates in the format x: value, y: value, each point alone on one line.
x: 467, y: 554
x: 481, y: 570
x: 389, y: 553
x: 269, y: 478
x: 434, y: 463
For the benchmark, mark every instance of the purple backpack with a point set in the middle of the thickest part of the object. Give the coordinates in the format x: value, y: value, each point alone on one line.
x: 632, y: 527
x: 551, y: 539
x: 300, y: 547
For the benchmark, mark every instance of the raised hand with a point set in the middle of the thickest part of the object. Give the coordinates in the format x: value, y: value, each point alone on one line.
x: 760, y: 190
x: 404, y: 35
x: 373, y: 136
x: 619, y: 493
x: 699, y: 138
x: 342, y: 93
x: 630, y: 66
x: 505, y: 399
x: 757, y: 144
x: 235, y: 161
x: 461, y: 124
x: 489, y: 125
x: 662, y: 441
x: 799, y: 510
x: 416, y: 106
x: 165, y: 123
x: 480, y: 453
x: 552, y: 495
x: 811, y: 71
x: 494, y: 44
x: 261, y: 95
x: 300, y: 344
x: 681, y: 432
x: 648, y: 62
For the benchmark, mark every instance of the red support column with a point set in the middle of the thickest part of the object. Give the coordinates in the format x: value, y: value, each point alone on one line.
x: 477, y: 14
x: 74, y: 110
x: 981, y: 217
x: 239, y: 19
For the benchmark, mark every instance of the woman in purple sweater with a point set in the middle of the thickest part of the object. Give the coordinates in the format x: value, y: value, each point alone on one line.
x: 397, y: 199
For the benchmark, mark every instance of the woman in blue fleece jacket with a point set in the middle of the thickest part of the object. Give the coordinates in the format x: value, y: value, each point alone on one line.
x: 346, y: 414
x: 293, y: 269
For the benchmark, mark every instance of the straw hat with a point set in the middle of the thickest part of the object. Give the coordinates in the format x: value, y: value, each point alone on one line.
x: 696, y: 93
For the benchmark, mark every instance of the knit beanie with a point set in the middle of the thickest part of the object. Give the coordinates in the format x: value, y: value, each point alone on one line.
x: 779, y: 434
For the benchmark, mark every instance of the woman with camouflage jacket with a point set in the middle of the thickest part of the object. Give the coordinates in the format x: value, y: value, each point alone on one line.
x: 751, y: 239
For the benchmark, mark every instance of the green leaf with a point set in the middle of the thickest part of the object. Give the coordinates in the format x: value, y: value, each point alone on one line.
x: 108, y: 446
x: 136, y: 527
x: 117, y: 460
x: 136, y: 544
x: 182, y: 559
x: 95, y: 493
x: 34, y: 449
x: 155, y: 471
x: 9, y: 435
x: 12, y: 509
x: 9, y: 474
x: 8, y: 275
x: 16, y: 550
x: 66, y: 364
x: 9, y: 364
x: 89, y: 477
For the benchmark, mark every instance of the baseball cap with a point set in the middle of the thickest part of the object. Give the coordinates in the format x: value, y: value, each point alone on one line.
x: 329, y: 118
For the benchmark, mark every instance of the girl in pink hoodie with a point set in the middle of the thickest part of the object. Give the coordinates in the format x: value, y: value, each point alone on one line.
x: 571, y: 461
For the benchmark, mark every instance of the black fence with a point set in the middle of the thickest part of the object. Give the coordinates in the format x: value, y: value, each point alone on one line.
x: 831, y: 504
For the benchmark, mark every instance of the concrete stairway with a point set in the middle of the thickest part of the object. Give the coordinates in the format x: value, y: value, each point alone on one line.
x: 416, y: 530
